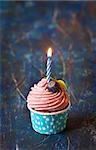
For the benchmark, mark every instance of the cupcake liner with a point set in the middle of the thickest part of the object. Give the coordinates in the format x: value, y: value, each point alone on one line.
x: 49, y: 123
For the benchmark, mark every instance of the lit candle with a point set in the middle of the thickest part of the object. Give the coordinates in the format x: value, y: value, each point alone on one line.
x: 49, y: 62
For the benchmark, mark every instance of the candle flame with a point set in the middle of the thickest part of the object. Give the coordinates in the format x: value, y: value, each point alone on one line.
x: 49, y: 53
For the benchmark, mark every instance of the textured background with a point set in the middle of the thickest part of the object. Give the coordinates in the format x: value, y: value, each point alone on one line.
x: 27, y: 29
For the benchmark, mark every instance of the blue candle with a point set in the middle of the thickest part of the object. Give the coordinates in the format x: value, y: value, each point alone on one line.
x: 49, y: 63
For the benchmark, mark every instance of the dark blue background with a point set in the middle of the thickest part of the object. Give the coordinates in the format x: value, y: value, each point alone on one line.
x: 27, y: 30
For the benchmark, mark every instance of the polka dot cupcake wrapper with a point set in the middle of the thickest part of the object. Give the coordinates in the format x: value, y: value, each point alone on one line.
x: 49, y: 123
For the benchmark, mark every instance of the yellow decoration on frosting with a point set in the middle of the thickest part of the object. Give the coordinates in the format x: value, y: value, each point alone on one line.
x: 61, y: 83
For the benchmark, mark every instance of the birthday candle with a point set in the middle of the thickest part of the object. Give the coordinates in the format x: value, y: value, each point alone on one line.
x: 49, y: 62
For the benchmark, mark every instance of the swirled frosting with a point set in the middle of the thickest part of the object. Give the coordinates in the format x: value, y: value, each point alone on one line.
x: 41, y: 99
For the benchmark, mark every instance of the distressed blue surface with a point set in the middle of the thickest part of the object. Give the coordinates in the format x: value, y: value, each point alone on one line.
x: 28, y: 29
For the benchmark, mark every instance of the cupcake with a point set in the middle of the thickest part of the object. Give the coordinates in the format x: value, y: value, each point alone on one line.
x: 49, y: 105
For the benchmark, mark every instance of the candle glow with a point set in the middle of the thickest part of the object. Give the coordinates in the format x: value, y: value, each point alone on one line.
x: 49, y: 53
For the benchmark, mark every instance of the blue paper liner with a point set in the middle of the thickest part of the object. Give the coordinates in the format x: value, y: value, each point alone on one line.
x: 49, y: 123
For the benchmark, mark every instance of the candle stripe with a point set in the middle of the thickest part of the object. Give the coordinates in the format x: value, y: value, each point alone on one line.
x: 49, y: 74
x: 49, y: 69
x: 48, y: 66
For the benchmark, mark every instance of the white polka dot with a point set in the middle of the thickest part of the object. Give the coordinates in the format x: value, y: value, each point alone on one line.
x: 37, y: 117
x: 38, y: 123
x: 44, y: 128
x: 51, y: 130
x: 65, y: 115
x: 57, y: 122
x: 47, y: 119
x: 47, y: 126
x: 61, y: 118
x: 52, y: 119
x: 64, y: 121
x: 54, y: 127
x: 62, y: 128
x: 39, y: 128
x: 36, y: 126
x: 41, y: 123
x: 32, y: 114
x: 44, y: 116
x: 51, y: 123
x: 46, y: 133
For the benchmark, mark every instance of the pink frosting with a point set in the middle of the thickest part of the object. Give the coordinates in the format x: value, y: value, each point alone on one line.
x: 41, y: 99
